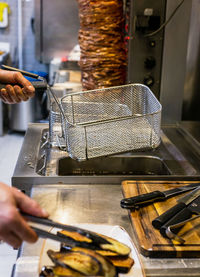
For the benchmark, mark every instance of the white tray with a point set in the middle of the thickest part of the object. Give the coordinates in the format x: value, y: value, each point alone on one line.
x: 31, y: 266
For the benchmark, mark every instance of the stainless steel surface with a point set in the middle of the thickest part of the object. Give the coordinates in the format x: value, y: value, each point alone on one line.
x: 100, y: 204
x: 96, y: 198
x: 144, y: 51
x: 38, y: 163
x: 21, y: 115
x: 175, y: 59
x: 113, y: 165
x: 111, y: 120
x: 191, y: 86
x: 56, y: 28
x: 169, y: 60
x: 187, y: 199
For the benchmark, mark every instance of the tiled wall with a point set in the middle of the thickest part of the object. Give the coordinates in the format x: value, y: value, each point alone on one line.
x: 10, y: 34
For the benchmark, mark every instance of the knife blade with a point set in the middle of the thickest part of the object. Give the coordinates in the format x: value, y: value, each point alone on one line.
x: 173, y: 226
x: 183, y: 202
x: 144, y: 199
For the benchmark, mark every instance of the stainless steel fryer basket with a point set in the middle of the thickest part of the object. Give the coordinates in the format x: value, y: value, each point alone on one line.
x: 111, y: 120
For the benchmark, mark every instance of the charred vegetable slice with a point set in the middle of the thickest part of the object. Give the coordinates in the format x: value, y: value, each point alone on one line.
x: 108, y: 269
x: 58, y: 271
x: 46, y: 272
x: 76, y: 236
x: 65, y: 272
x: 115, y: 246
x: 107, y: 253
x: 89, y: 262
x: 78, y: 239
x: 79, y: 261
x: 112, y: 245
x: 123, y: 265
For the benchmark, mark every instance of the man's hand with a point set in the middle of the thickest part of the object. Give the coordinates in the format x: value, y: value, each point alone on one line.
x: 13, y: 93
x: 13, y: 227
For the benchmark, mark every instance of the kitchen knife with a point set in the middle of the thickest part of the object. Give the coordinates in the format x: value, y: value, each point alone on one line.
x: 148, y: 198
x: 173, y: 226
x: 183, y: 202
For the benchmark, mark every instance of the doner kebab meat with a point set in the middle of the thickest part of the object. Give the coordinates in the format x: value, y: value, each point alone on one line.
x: 101, y: 40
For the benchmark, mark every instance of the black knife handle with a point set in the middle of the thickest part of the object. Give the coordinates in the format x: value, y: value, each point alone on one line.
x: 163, y: 218
x: 183, y: 215
x: 143, y: 199
x: 38, y: 85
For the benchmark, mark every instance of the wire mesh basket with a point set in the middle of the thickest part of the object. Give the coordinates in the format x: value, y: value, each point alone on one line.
x: 109, y: 121
x: 55, y: 113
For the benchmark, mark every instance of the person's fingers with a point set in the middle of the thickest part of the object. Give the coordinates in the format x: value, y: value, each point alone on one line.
x: 12, y: 239
x: 28, y: 205
x: 2, y: 97
x: 28, y: 87
x: 11, y: 92
x: 12, y: 221
x: 30, y: 91
x: 11, y: 77
x: 20, y: 94
x: 6, y: 96
x: 23, y: 230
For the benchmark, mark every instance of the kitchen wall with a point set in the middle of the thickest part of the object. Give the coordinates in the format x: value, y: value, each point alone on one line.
x: 10, y: 35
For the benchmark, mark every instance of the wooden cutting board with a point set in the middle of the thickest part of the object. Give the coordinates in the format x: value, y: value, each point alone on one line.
x: 150, y: 241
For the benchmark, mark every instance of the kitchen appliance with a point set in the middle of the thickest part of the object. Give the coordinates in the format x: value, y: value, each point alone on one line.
x: 159, y: 54
x: 163, y: 52
x: 144, y: 50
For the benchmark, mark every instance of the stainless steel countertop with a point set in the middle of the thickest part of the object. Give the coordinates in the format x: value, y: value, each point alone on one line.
x: 95, y: 202
x: 100, y: 204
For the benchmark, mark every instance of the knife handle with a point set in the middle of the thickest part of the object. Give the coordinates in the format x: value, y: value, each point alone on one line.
x: 183, y: 215
x: 163, y: 218
x: 143, y: 199
x: 38, y: 85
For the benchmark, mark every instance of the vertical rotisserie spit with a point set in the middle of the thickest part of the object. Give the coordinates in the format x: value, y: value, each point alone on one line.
x: 101, y: 39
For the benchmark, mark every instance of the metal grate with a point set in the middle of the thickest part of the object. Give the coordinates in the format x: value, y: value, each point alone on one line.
x: 111, y: 120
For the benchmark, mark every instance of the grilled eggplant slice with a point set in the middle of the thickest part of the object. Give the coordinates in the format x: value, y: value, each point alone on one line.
x: 84, y: 261
x: 123, y: 265
x: 58, y: 271
x: 107, y: 253
x: 115, y: 246
x: 77, y: 239
x: 107, y: 267
x: 82, y: 241
x: 46, y: 271
x: 84, y: 264
x: 65, y: 272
